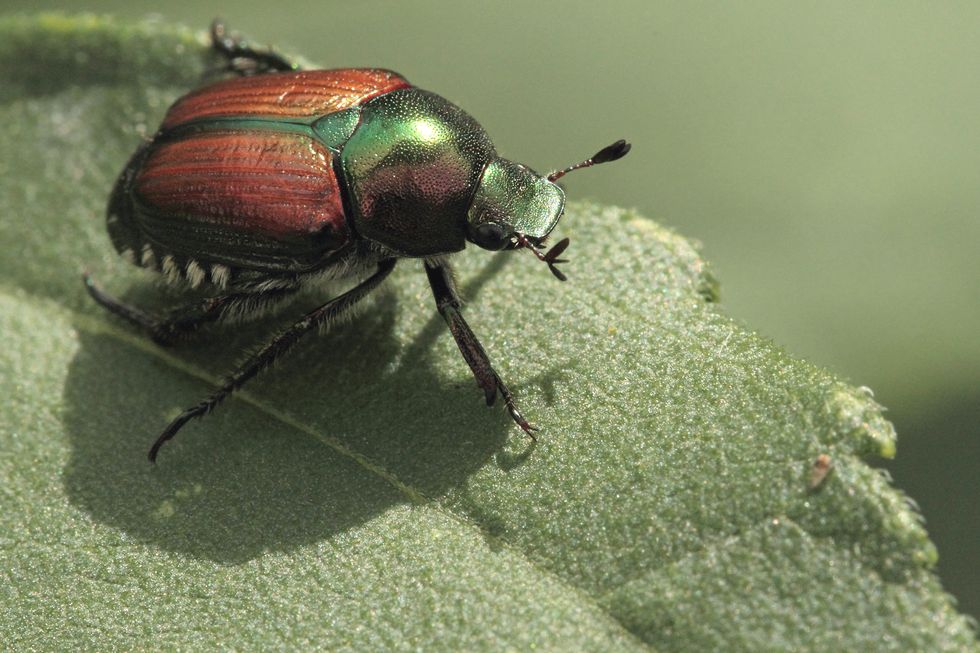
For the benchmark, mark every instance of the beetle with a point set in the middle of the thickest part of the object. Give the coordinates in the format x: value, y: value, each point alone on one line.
x: 257, y: 185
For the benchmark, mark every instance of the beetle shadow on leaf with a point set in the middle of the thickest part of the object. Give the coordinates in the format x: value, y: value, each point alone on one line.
x: 243, y: 480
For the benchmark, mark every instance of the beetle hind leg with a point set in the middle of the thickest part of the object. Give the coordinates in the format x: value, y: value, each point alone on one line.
x: 187, y: 319
x: 135, y: 316
x: 329, y: 313
x: 242, y: 58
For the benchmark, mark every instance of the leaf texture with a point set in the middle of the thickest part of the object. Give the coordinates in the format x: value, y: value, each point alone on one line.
x: 359, y: 496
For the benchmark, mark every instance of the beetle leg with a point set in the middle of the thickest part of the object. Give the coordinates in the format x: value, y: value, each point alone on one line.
x: 265, y: 357
x: 128, y: 312
x: 243, y: 58
x: 448, y: 302
x: 187, y: 319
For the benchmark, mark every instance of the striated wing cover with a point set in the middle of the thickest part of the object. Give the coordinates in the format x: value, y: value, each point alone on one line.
x: 253, y: 199
x: 289, y: 95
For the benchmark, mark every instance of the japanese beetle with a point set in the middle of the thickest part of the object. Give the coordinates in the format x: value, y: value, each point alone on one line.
x: 258, y: 184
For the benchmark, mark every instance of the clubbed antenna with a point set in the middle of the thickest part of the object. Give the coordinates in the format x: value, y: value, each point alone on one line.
x: 551, y: 257
x: 617, y: 150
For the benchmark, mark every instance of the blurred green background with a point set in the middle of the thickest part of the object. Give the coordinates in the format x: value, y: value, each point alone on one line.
x: 827, y: 155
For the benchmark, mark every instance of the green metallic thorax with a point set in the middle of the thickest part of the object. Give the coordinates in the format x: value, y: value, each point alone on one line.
x: 412, y: 167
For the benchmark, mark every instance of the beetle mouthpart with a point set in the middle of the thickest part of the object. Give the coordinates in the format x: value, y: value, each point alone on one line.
x: 550, y: 257
x: 617, y: 150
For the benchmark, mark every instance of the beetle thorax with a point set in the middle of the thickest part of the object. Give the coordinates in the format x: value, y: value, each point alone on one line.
x: 412, y: 167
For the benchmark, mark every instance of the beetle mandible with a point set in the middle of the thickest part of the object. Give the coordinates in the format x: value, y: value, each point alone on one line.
x: 261, y: 183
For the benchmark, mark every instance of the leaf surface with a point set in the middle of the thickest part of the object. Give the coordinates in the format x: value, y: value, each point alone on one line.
x: 359, y: 495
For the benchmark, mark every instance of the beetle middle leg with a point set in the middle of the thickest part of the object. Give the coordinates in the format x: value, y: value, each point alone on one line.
x: 448, y: 303
x: 243, y: 58
x: 329, y: 312
x: 189, y: 318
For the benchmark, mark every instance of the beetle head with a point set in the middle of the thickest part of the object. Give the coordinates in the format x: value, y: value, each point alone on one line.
x: 512, y: 200
x: 516, y: 207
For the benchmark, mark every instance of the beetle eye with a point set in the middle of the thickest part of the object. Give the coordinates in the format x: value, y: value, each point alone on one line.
x: 491, y: 235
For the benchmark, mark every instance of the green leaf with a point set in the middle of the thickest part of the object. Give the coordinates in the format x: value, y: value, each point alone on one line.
x: 359, y: 496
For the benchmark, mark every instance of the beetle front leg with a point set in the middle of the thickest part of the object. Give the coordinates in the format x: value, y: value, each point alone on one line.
x: 187, y: 319
x: 243, y: 58
x: 448, y: 303
x: 265, y: 357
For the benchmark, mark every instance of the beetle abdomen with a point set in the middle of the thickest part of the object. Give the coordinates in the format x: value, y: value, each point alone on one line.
x: 303, y: 94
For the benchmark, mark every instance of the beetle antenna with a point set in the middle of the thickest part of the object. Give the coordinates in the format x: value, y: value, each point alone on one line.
x: 550, y: 257
x: 617, y: 150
